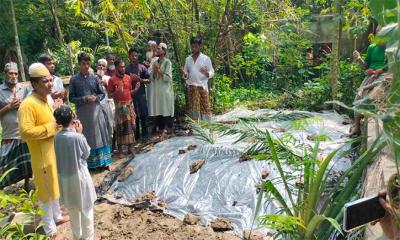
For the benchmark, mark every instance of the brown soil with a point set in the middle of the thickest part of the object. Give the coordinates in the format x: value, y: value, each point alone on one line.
x: 117, y: 222
x: 196, y: 166
x: 253, y: 235
x: 221, y: 225
x: 126, y: 173
x: 191, y: 219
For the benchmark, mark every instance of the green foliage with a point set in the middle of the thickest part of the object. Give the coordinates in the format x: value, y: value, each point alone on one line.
x: 384, y: 11
x: 223, y: 95
x: 200, y: 132
x: 253, y: 62
x: 23, y: 202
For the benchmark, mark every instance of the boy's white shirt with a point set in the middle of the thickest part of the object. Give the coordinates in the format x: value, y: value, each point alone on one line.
x: 76, y: 185
x: 195, y: 77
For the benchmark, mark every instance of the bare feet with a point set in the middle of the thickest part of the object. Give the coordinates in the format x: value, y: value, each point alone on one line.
x: 63, y: 220
x: 110, y: 168
x: 162, y: 135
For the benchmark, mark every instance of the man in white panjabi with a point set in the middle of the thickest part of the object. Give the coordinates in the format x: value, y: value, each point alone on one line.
x: 197, y: 71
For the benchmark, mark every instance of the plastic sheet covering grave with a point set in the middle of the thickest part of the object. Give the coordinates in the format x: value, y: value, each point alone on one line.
x: 223, y: 187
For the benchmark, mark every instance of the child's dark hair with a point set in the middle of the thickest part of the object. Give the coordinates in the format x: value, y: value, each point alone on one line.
x: 63, y: 115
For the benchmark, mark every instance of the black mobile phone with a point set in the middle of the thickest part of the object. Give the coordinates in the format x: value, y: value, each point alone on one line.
x: 361, y: 212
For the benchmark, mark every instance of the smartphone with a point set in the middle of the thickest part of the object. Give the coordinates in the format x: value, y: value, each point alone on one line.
x: 361, y: 212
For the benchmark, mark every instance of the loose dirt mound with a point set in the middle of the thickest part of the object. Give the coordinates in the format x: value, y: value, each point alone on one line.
x: 221, y: 225
x: 116, y: 222
x: 191, y: 219
x: 253, y: 235
x: 126, y: 173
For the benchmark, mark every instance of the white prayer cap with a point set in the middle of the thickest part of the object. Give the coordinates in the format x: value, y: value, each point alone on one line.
x: 11, y: 66
x: 163, y: 45
x: 102, y: 61
x: 152, y: 42
x: 38, y: 70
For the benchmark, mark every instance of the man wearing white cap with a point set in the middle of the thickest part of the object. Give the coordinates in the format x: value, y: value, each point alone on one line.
x: 161, y: 93
x: 107, y: 103
x: 151, y: 52
x: 14, y: 151
x: 38, y: 128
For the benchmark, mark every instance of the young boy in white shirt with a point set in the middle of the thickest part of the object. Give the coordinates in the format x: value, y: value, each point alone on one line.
x: 76, y: 187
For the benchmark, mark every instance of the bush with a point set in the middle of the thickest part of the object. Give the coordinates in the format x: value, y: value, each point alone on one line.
x: 22, y: 202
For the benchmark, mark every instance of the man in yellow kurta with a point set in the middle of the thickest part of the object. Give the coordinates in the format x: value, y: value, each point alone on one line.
x: 38, y: 127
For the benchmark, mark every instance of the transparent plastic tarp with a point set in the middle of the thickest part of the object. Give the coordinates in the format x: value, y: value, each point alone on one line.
x: 223, y: 187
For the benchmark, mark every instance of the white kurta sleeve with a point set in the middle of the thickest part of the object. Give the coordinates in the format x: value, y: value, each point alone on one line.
x: 85, y: 148
x: 186, y: 69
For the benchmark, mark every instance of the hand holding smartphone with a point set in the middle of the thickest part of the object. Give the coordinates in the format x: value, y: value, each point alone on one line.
x: 361, y: 212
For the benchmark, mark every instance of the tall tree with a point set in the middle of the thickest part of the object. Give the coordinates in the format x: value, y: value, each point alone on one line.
x: 334, y: 58
x: 60, y: 35
x: 19, y: 52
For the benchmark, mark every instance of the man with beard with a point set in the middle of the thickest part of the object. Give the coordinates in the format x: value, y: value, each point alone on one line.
x: 107, y: 103
x: 161, y: 92
x: 138, y: 73
x: 14, y: 151
x: 121, y: 90
x: 38, y: 128
x: 151, y: 52
x: 110, y: 64
x: 197, y: 71
x: 86, y: 93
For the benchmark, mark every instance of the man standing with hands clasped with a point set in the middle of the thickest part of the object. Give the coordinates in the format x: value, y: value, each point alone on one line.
x: 197, y: 71
x: 14, y: 151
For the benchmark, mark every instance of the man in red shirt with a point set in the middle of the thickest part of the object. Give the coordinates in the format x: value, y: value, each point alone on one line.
x: 121, y: 87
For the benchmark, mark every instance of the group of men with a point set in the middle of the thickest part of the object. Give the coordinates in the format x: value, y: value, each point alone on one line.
x: 43, y: 137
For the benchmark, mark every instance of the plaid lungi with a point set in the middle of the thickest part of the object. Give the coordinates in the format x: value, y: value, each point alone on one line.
x: 199, y: 103
x: 125, y: 119
x: 14, y: 154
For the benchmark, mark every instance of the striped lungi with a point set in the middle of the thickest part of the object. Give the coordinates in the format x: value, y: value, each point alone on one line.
x: 125, y: 120
x: 99, y: 157
x: 14, y: 154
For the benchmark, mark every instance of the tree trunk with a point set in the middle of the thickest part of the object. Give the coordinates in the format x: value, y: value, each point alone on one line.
x: 334, y: 61
x: 19, y: 52
x: 61, y: 36
x: 197, y: 16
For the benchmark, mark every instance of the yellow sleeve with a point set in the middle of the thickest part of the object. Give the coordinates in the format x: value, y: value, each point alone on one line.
x: 27, y: 128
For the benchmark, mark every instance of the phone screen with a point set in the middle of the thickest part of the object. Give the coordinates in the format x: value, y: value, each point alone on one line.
x: 361, y: 212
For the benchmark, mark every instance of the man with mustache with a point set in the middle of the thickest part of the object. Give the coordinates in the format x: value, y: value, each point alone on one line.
x: 14, y: 151
x: 38, y: 128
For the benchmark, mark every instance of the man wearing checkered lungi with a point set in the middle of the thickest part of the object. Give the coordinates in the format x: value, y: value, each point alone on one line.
x: 14, y: 151
x: 197, y: 71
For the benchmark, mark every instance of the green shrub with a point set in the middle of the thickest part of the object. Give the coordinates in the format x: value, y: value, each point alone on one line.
x: 24, y: 202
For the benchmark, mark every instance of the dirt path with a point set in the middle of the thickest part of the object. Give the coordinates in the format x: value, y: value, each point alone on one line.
x: 113, y: 221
